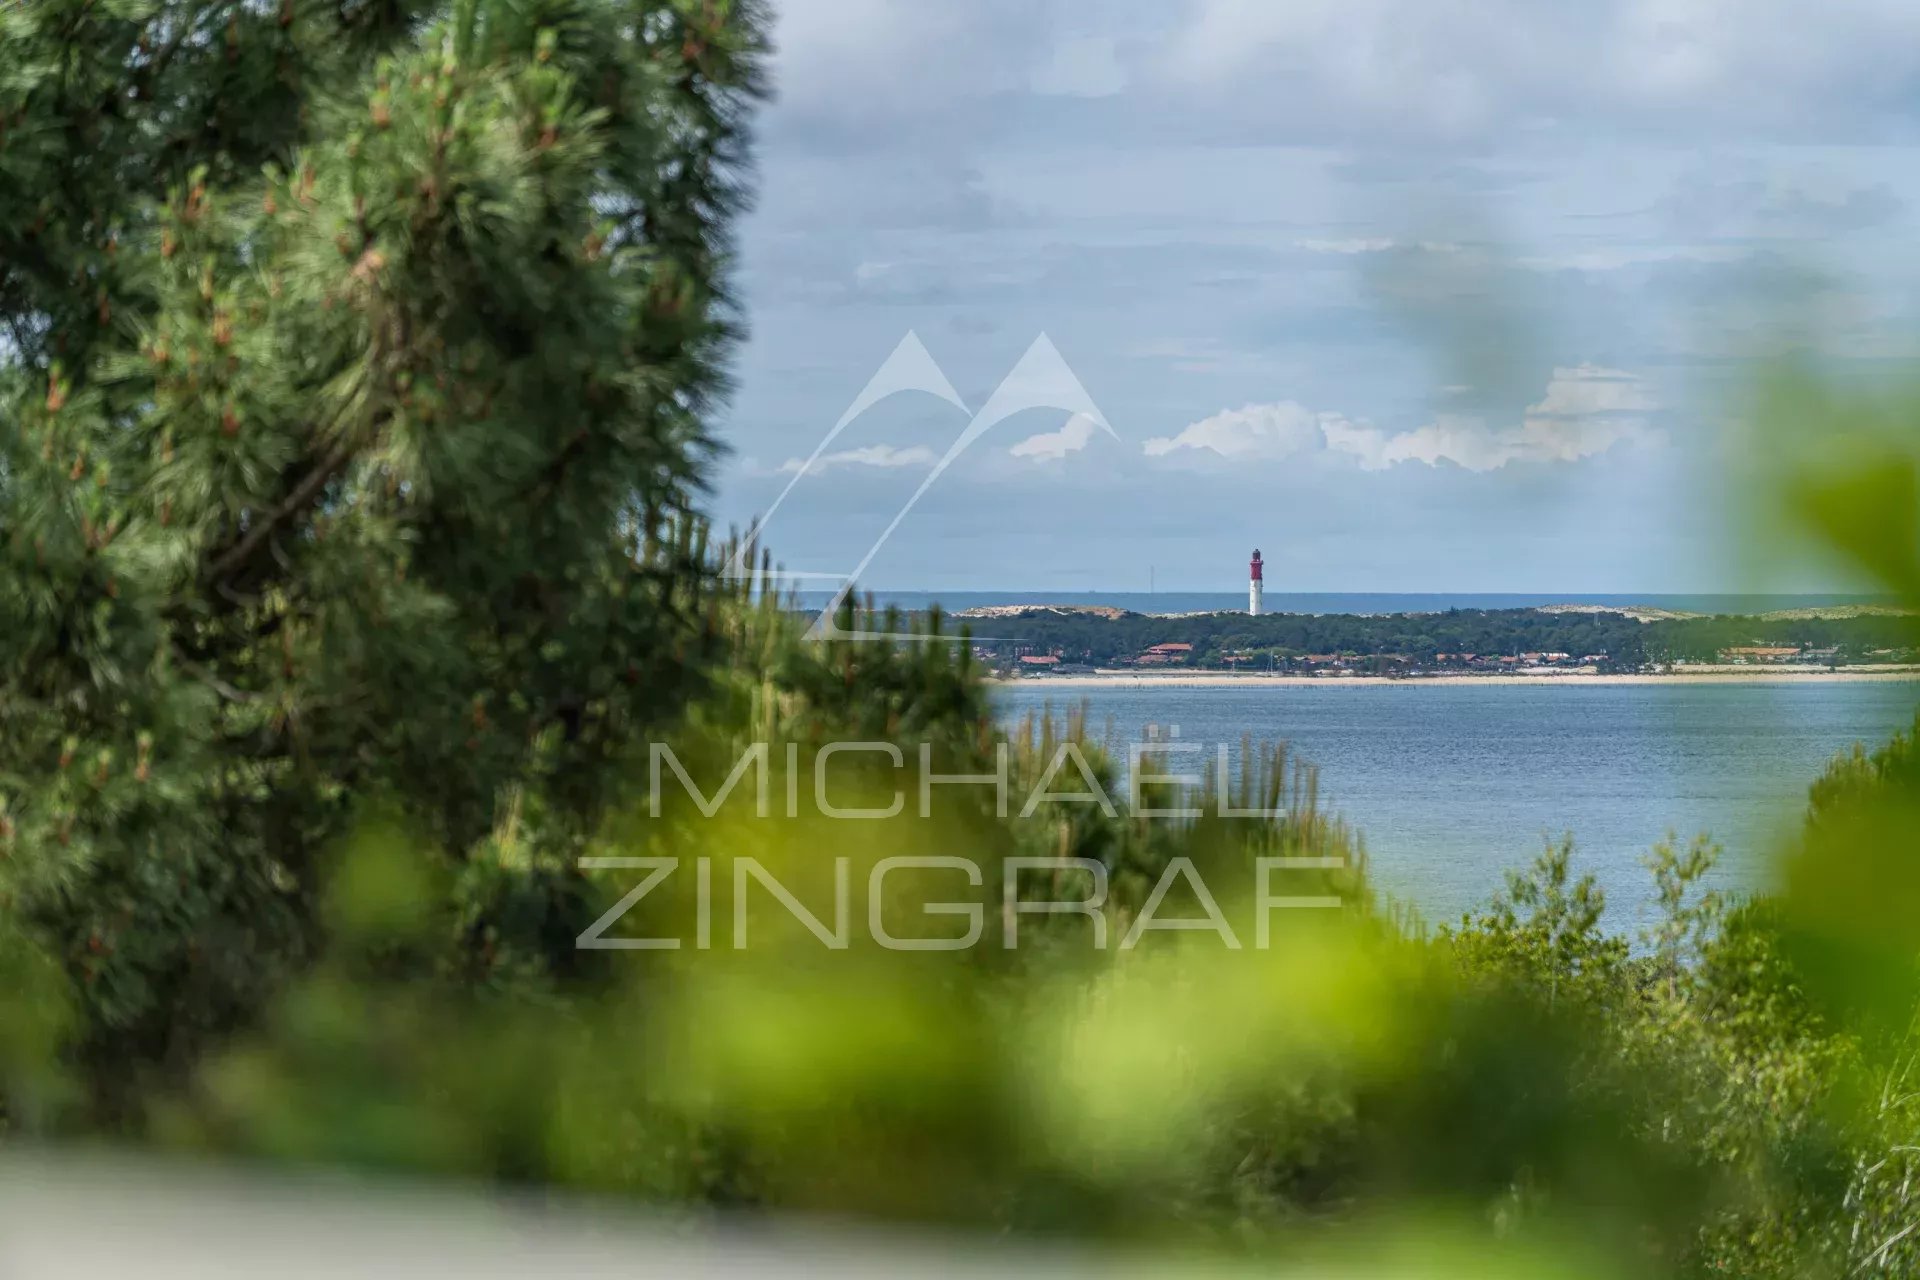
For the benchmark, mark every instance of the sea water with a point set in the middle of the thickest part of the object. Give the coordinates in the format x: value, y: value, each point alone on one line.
x: 1452, y: 785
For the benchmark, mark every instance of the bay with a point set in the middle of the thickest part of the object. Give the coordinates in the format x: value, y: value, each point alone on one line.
x: 1451, y: 785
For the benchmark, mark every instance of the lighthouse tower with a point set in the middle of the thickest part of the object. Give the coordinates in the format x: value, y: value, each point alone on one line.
x: 1254, y: 585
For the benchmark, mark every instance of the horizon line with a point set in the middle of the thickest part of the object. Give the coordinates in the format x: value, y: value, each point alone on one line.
x: 1241, y: 589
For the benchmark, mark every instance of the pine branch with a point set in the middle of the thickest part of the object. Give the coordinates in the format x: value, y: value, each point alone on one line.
x: 557, y: 469
x: 302, y: 496
x: 219, y: 686
x: 156, y: 66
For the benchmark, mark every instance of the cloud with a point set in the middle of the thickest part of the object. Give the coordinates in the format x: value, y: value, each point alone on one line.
x: 872, y: 455
x: 1251, y: 431
x: 902, y: 75
x: 1473, y: 444
x: 1374, y: 244
x: 1463, y: 441
x: 1619, y: 257
x: 1463, y: 68
x: 1587, y: 409
x: 1589, y: 389
x: 1050, y: 446
x: 865, y: 74
x: 1367, y: 244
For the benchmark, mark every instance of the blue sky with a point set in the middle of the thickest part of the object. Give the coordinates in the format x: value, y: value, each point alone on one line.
x: 1413, y: 294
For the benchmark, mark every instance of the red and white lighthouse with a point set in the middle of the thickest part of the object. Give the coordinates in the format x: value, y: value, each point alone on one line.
x: 1254, y: 585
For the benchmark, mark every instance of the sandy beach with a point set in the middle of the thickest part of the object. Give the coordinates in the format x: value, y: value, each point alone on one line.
x: 1685, y: 675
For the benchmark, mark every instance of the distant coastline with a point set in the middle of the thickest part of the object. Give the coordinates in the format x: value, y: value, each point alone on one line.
x: 1355, y: 603
x: 1533, y: 644
x: 1638, y: 613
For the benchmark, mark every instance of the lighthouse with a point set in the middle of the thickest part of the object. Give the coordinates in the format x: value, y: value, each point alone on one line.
x: 1254, y: 585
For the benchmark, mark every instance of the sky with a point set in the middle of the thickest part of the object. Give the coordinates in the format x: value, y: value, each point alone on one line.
x: 1414, y: 295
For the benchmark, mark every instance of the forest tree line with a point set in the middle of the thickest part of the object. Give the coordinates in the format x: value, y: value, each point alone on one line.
x: 1625, y: 643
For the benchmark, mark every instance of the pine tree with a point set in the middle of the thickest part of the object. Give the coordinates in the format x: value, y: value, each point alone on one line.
x: 354, y: 360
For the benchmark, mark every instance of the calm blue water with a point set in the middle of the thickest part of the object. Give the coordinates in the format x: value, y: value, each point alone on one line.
x: 1452, y: 784
x: 1359, y: 602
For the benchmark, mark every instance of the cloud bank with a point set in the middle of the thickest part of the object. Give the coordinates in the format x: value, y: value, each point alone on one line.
x: 1050, y: 446
x: 1587, y: 410
x: 872, y: 455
